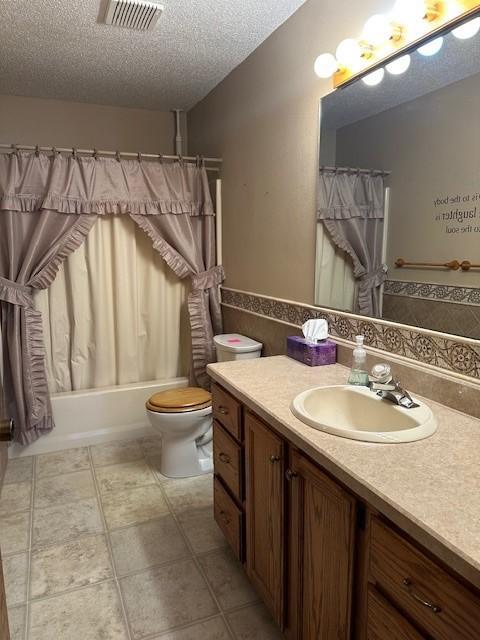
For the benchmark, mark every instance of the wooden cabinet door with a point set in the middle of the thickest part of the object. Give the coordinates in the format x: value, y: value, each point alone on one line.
x: 320, y: 555
x: 265, y: 497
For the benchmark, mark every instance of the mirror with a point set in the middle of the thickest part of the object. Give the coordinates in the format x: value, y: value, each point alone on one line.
x: 399, y: 194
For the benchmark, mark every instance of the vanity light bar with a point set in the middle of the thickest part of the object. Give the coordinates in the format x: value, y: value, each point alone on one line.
x: 387, y: 40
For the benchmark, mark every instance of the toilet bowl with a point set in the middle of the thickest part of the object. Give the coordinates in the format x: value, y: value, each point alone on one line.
x: 183, y: 417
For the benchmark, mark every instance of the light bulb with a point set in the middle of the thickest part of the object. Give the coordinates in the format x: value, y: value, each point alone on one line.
x: 349, y: 53
x: 374, y: 78
x: 325, y: 65
x: 398, y: 66
x: 377, y: 30
x: 467, y: 30
x: 431, y: 48
x: 408, y: 11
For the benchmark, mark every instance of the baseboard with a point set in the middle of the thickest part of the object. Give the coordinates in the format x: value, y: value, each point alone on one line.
x: 56, y: 441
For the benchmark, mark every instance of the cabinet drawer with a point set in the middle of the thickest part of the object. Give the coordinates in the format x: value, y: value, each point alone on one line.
x: 384, y: 621
x: 430, y: 596
x: 227, y: 456
x: 227, y: 411
x: 229, y: 518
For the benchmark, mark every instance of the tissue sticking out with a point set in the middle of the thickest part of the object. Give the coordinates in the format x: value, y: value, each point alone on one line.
x: 315, y: 348
x: 315, y: 330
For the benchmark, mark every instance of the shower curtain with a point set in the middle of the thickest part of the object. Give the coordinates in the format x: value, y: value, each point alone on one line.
x: 115, y: 314
x: 48, y: 204
x: 351, y: 208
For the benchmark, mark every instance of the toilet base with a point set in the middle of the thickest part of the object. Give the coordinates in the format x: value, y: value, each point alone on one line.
x: 185, y: 460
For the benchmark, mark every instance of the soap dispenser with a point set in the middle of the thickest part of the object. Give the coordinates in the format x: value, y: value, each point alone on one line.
x: 358, y: 373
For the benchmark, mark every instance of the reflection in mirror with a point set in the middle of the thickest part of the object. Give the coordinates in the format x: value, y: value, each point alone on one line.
x: 398, y: 215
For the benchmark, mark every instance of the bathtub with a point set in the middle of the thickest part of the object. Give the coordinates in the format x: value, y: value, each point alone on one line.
x: 94, y: 416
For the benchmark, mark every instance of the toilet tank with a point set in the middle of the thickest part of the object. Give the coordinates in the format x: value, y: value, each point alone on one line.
x: 233, y: 346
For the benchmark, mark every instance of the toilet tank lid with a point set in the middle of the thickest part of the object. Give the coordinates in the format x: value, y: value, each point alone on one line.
x: 236, y: 343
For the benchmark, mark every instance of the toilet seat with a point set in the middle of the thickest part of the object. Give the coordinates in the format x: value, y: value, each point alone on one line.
x: 179, y: 400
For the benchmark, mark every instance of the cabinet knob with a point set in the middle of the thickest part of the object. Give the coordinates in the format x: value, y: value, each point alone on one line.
x: 224, y: 457
x: 274, y: 458
x: 290, y: 475
x: 223, y: 410
x: 225, y: 517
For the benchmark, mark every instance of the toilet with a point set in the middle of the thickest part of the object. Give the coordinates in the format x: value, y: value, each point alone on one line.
x: 183, y: 417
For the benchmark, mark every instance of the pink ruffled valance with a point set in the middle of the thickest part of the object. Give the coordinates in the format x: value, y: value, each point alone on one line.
x: 87, y: 185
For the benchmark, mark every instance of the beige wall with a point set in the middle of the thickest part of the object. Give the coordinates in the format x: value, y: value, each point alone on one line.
x: 263, y: 120
x: 59, y: 123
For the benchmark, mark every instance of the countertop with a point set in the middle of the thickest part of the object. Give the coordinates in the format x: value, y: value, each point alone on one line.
x: 429, y: 488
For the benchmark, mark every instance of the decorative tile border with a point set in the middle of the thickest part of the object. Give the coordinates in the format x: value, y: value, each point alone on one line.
x: 458, y: 355
x: 427, y: 291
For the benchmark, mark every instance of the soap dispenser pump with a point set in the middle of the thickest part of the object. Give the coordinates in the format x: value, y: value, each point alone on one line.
x: 358, y: 373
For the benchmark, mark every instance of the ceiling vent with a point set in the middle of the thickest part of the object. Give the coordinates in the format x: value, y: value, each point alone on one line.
x: 133, y: 14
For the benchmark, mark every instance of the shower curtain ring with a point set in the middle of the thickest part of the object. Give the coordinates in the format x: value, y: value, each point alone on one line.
x: 37, y: 150
x: 202, y: 162
x: 117, y: 156
x: 74, y: 153
x: 139, y: 156
x: 95, y: 154
x: 160, y: 158
x: 15, y: 150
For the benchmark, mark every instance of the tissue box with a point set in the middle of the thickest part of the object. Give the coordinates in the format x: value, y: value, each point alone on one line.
x: 313, y: 354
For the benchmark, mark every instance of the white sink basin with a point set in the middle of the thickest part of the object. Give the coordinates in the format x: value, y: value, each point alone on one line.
x: 359, y: 414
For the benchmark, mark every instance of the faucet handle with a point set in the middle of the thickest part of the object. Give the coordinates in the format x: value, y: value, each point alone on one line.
x: 382, y: 373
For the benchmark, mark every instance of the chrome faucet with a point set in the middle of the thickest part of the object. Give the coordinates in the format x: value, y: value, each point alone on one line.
x: 388, y: 388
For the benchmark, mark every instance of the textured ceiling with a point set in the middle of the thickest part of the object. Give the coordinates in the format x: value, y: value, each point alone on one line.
x: 60, y: 49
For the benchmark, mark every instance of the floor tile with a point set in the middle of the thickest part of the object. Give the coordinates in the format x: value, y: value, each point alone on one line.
x: 92, y: 613
x: 151, y: 445
x: 19, y: 470
x: 211, y: 630
x: 254, y: 623
x: 75, y: 564
x: 116, y: 452
x: 15, y: 570
x: 190, y: 493
x: 16, y: 622
x: 15, y: 532
x: 154, y: 464
x: 58, y: 462
x: 122, y: 508
x: 15, y: 497
x: 160, y: 599
x: 62, y: 489
x: 146, y: 545
x: 124, y: 476
x: 227, y: 579
x: 202, y: 531
x: 61, y: 523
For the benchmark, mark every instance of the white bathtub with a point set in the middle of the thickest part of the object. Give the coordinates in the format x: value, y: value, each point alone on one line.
x: 94, y: 416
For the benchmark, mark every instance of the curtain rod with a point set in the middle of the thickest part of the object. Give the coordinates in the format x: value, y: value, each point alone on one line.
x: 379, y: 172
x: 11, y: 148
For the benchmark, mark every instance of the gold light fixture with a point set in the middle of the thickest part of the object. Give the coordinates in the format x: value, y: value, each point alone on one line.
x: 411, y: 25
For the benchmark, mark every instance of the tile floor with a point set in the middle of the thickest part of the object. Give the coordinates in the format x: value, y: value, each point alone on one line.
x: 97, y: 544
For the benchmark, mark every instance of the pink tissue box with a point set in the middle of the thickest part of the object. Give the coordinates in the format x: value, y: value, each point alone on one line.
x: 314, y: 354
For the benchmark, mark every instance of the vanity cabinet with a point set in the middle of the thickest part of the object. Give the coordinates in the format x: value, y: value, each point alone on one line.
x: 265, y: 519
x: 435, y: 601
x: 327, y: 566
x: 321, y: 553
